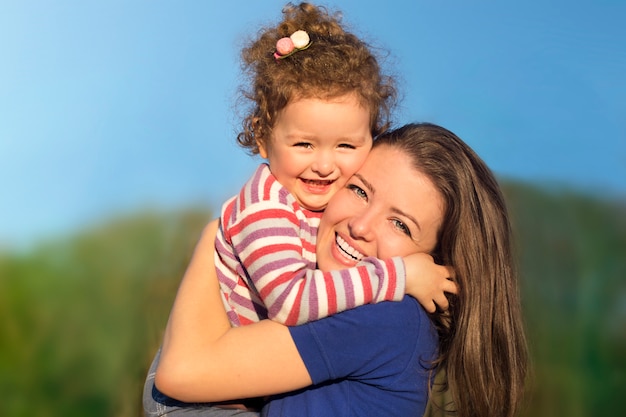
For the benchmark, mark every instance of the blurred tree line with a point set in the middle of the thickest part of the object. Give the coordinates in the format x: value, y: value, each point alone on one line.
x: 82, y: 316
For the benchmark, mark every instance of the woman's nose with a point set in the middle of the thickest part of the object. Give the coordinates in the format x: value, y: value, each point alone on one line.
x: 361, y: 227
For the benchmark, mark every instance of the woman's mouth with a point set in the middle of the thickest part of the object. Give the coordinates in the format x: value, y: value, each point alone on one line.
x: 348, y: 251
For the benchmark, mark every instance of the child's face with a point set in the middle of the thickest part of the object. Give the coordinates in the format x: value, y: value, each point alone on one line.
x: 317, y: 145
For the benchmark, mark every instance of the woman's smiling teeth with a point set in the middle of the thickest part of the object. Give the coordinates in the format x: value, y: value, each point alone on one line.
x: 347, y: 250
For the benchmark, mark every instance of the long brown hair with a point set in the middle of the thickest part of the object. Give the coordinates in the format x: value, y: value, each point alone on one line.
x: 483, y: 348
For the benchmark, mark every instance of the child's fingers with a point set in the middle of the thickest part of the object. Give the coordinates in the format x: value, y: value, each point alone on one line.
x: 429, y: 306
x: 442, y: 302
x: 450, y: 271
x: 450, y: 286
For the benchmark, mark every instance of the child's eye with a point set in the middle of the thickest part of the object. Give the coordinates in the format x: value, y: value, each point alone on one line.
x: 357, y: 190
x: 401, y: 227
x: 346, y: 146
x: 306, y: 145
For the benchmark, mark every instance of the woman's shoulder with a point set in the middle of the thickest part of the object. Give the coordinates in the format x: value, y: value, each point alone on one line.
x: 358, y: 341
x: 401, y: 322
x: 402, y: 313
x: 386, y: 321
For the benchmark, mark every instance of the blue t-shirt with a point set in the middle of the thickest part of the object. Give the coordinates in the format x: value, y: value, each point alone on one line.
x: 369, y: 361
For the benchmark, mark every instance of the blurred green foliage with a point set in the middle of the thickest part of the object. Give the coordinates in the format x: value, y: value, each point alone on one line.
x: 81, y: 317
x: 572, y: 254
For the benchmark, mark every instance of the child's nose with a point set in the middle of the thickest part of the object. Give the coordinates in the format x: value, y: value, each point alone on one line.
x: 324, y: 164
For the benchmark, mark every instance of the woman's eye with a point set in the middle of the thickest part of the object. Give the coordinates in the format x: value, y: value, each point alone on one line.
x: 401, y: 226
x: 357, y: 190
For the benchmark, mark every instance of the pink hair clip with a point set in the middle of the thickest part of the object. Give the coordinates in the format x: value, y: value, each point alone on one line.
x: 298, y: 41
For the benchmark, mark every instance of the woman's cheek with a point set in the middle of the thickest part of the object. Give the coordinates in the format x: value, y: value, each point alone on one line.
x: 338, y: 208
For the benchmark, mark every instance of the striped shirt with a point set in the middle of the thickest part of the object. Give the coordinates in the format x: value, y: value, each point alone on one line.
x: 265, y: 261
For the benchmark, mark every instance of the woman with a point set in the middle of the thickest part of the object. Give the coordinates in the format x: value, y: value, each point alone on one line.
x: 421, y: 190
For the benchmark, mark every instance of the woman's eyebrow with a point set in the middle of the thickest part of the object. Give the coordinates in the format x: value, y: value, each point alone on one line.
x: 365, y: 182
x: 408, y: 216
x: 396, y: 210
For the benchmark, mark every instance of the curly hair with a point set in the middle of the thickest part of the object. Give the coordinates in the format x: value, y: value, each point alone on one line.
x: 336, y: 64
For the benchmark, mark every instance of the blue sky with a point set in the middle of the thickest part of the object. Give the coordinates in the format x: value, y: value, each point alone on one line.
x: 115, y: 106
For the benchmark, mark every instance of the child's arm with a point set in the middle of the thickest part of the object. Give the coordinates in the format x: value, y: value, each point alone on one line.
x: 429, y: 282
x: 263, y: 227
x: 198, y: 332
x: 269, y: 247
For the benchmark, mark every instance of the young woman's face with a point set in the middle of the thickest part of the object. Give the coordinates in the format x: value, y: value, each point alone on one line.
x: 317, y: 145
x: 386, y: 209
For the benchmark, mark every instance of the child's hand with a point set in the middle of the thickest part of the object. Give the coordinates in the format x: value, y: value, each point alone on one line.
x: 428, y: 282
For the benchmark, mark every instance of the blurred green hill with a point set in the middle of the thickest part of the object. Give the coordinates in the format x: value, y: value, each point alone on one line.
x: 81, y: 316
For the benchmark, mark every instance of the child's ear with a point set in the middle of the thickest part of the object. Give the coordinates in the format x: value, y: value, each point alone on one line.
x: 260, y: 143
x: 262, y: 148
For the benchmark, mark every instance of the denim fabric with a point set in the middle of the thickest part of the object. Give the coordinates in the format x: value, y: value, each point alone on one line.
x: 156, y: 404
